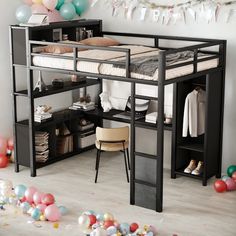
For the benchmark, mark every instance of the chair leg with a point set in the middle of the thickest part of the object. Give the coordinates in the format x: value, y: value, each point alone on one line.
x: 126, y: 167
x: 127, y: 152
x: 97, y: 164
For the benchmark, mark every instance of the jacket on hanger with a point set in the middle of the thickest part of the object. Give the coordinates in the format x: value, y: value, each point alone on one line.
x: 194, y: 113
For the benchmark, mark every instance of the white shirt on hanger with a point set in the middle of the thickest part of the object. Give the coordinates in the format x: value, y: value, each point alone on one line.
x: 194, y: 113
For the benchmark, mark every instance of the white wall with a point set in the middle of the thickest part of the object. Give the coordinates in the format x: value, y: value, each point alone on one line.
x: 219, y: 30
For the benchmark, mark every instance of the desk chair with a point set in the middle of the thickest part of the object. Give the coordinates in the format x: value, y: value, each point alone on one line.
x: 110, y: 140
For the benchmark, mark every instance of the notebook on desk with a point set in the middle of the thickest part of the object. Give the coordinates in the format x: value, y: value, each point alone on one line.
x: 141, y: 107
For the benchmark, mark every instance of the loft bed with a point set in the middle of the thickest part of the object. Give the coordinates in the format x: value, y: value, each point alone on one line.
x: 116, y: 63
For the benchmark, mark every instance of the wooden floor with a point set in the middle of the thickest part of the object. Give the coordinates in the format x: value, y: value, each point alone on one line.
x: 189, y: 208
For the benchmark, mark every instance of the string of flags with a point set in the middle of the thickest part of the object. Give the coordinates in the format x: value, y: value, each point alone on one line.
x: 166, y: 14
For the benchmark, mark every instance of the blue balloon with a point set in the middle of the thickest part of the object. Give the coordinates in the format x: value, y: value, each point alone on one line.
x: 25, y: 206
x: 68, y: 11
x: 63, y: 210
x: 20, y: 190
x: 112, y: 230
x: 124, y: 228
x: 100, y: 217
x: 36, y: 214
x: 59, y: 4
x: 23, y: 13
x: 81, y: 6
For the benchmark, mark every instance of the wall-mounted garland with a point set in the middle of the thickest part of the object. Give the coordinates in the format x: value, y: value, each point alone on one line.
x: 171, y: 13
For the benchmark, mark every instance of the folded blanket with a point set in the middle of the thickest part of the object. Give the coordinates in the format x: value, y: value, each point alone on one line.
x: 147, y: 65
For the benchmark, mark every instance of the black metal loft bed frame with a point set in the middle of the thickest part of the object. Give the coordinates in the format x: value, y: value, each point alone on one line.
x: 161, y: 83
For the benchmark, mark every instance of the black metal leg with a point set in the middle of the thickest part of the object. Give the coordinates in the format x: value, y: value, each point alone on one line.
x: 128, y: 160
x: 97, y: 167
x: 17, y: 167
x: 126, y: 167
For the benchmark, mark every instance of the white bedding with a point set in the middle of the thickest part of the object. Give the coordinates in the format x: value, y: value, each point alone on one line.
x: 109, y: 69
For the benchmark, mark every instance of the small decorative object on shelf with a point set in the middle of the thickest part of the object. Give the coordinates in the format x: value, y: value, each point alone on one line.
x: 106, y: 104
x: 57, y: 83
x: 77, y: 79
x: 41, y: 113
x: 40, y: 85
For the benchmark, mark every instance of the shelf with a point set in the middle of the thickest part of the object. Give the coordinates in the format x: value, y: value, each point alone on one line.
x: 197, y: 147
x: 181, y: 172
x: 138, y: 123
x: 68, y: 85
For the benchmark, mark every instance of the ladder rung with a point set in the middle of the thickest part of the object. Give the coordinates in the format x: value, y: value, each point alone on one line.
x: 138, y: 181
x: 141, y: 154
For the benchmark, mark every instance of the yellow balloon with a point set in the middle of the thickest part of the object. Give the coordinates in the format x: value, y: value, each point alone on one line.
x: 108, y: 216
x: 42, y: 218
x: 37, y: 1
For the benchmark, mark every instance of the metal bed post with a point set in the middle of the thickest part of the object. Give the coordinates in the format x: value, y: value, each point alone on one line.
x: 160, y: 130
x: 30, y: 80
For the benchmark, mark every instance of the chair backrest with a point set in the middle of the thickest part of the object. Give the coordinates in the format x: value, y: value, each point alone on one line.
x: 112, y: 134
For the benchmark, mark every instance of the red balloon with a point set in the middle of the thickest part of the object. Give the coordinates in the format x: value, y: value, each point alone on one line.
x: 48, y: 199
x: 133, y: 227
x: 220, y: 186
x: 234, y: 176
x: 231, y: 185
x: 93, y: 219
x: 108, y: 223
x: 3, y: 161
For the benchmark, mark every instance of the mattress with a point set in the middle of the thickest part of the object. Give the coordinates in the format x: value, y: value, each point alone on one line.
x: 109, y: 69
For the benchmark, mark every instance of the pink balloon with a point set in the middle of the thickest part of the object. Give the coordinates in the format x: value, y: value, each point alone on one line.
x: 54, y: 16
x: 3, y: 145
x: 48, y: 199
x: 10, y: 143
x: 231, y: 185
x: 50, y: 4
x: 52, y: 213
x: 37, y: 198
x: 39, y: 9
x: 28, y: 2
x: 29, y: 193
x: 41, y: 207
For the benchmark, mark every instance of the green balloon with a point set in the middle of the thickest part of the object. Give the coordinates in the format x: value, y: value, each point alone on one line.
x: 81, y: 6
x: 68, y: 11
x: 59, y: 4
x: 231, y: 170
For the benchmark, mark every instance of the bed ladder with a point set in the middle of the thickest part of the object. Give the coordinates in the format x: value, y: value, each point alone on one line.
x: 148, y: 194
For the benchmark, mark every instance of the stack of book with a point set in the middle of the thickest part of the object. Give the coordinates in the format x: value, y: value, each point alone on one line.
x: 151, y: 117
x: 41, y: 146
x: 42, y: 117
x: 84, y: 106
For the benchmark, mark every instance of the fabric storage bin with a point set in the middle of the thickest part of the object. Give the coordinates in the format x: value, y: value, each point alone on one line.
x: 87, y: 140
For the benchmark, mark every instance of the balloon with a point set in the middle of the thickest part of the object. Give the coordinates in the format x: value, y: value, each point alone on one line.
x: 54, y: 16
x: 108, y: 216
x: 39, y: 9
x: 108, y: 223
x: 10, y: 144
x: 100, y: 217
x: 3, y: 161
x: 29, y: 193
x: 133, y: 227
x: 35, y: 214
x: 84, y: 222
x: 92, y: 219
x: 59, y: 4
x: 68, y: 11
x: 20, y: 191
x: 37, y: 1
x: 25, y: 206
x: 28, y: 2
x: 231, y: 170
x: 99, y: 232
x: 234, y: 176
x: 3, y: 145
x: 37, y: 197
x: 23, y: 13
x: 220, y: 186
x: 41, y: 207
x: 112, y: 230
x: 50, y: 4
x: 225, y: 177
x: 80, y: 6
x: 48, y: 199
x: 63, y: 210
x: 124, y: 228
x: 231, y: 185
x: 52, y: 213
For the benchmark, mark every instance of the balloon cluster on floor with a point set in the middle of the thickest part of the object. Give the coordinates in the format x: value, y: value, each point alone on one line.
x: 227, y: 182
x: 93, y: 224
x: 57, y: 10
x: 6, y: 151
x: 40, y: 206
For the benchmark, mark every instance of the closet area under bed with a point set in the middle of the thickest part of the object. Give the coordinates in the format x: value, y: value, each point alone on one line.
x: 162, y: 63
